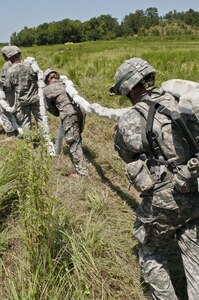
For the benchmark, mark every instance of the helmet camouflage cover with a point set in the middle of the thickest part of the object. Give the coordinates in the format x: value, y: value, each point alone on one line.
x: 4, y: 49
x: 131, y: 72
x: 10, y: 51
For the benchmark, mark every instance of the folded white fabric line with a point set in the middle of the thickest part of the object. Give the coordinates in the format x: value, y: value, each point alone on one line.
x: 187, y: 91
x: 73, y: 93
x: 110, y: 113
x: 41, y: 84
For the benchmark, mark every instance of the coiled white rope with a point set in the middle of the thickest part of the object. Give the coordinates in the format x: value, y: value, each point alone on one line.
x: 41, y: 84
x: 187, y: 91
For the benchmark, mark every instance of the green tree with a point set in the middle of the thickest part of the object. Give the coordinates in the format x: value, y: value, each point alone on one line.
x: 40, y: 37
x: 108, y: 26
x: 105, y: 27
x: 25, y: 37
x: 191, y: 17
x: 91, y: 30
x: 14, y: 39
x: 69, y: 31
x: 152, y: 17
x: 133, y: 22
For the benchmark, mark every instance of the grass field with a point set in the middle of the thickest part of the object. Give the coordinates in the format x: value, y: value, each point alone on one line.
x: 63, y: 238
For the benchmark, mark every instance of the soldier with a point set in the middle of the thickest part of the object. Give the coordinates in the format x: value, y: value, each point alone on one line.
x: 157, y: 152
x: 7, y: 63
x: 6, y: 118
x: 60, y: 104
x: 21, y: 81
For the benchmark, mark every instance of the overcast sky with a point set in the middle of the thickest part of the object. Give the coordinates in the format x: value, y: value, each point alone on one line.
x: 15, y: 14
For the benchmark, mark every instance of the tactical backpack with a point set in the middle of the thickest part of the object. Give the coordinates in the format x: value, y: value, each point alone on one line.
x: 169, y: 141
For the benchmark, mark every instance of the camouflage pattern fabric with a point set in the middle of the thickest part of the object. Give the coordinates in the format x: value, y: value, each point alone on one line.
x: 11, y: 96
x: 130, y: 73
x: 58, y: 103
x: 163, y: 215
x: 6, y: 117
x: 7, y: 65
x: 22, y: 81
x: 56, y: 96
x: 24, y: 115
x: 10, y: 51
x: 6, y: 120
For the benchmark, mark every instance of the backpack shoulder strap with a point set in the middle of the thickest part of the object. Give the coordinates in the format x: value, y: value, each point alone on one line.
x: 151, y: 135
x: 143, y: 121
x: 176, y: 117
x: 150, y: 143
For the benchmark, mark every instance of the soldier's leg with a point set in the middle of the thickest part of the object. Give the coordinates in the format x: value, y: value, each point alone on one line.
x: 73, y: 139
x: 188, y: 240
x: 153, y: 264
x: 35, y: 108
x: 23, y: 116
x: 154, y: 241
x: 6, y: 122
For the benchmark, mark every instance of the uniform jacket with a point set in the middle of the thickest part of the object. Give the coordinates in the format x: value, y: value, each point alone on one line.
x: 22, y: 80
x: 58, y: 102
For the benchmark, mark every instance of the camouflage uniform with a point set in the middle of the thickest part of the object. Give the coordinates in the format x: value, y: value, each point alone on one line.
x: 6, y: 117
x: 22, y: 81
x: 6, y: 66
x: 164, y: 214
x: 59, y: 104
x: 6, y: 120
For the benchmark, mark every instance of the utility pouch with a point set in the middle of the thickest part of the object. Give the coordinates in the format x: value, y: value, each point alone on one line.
x: 185, y: 180
x: 139, y: 176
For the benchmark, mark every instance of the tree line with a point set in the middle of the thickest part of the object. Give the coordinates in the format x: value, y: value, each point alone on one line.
x: 105, y: 27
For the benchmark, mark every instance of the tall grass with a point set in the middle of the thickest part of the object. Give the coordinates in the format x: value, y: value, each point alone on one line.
x: 52, y: 253
x: 39, y: 254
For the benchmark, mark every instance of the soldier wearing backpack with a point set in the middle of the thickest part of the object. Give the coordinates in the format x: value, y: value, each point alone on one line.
x: 159, y: 148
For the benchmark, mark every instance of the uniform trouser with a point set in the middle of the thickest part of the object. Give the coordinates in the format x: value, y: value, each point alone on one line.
x: 6, y: 120
x: 188, y: 241
x: 163, y: 218
x: 74, y: 140
x: 24, y: 115
x: 154, y: 264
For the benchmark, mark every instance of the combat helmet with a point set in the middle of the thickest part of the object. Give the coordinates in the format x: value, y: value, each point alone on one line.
x: 4, y: 49
x: 10, y: 51
x: 131, y: 72
x: 47, y: 73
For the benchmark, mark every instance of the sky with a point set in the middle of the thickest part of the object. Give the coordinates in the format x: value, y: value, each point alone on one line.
x: 16, y: 14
